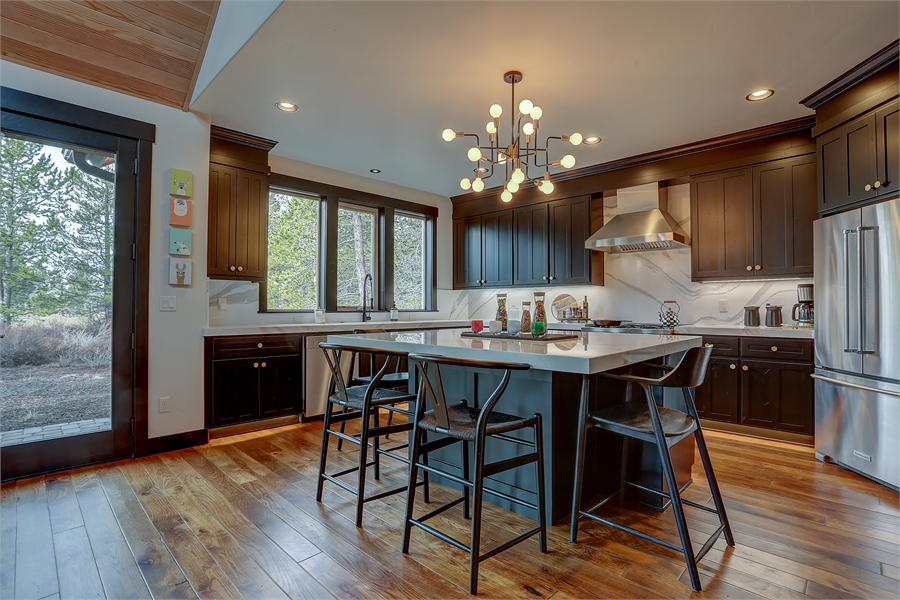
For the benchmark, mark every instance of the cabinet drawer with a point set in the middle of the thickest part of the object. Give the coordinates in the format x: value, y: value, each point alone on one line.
x: 257, y: 345
x: 777, y: 348
x: 723, y: 345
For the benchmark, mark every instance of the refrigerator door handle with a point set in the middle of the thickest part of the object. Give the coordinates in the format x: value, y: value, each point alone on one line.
x: 847, y: 347
x: 863, y: 284
x: 855, y: 386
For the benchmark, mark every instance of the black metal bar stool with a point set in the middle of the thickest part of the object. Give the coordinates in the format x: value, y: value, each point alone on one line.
x: 461, y: 423
x: 642, y: 419
x: 396, y: 377
x: 361, y: 402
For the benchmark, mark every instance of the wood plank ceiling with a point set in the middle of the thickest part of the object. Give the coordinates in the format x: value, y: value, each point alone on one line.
x: 151, y: 49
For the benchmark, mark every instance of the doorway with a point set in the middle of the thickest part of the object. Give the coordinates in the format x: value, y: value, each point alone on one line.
x: 68, y: 294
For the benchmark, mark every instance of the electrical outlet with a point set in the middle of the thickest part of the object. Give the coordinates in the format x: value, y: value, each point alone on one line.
x: 723, y: 305
x: 167, y: 303
x: 164, y: 404
x: 223, y: 304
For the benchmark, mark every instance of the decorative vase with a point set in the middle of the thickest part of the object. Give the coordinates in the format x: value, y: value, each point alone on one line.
x: 539, y: 322
x: 501, y: 311
x: 526, y: 317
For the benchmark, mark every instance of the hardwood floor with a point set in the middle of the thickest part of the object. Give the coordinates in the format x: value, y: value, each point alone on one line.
x: 238, y: 518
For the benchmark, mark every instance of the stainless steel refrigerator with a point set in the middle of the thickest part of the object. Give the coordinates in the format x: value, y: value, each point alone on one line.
x: 857, y: 329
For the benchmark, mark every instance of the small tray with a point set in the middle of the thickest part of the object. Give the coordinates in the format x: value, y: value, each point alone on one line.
x: 522, y: 337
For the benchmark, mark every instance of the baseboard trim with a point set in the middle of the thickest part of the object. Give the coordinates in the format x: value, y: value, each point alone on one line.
x: 220, y: 432
x: 759, y: 432
x: 176, y: 441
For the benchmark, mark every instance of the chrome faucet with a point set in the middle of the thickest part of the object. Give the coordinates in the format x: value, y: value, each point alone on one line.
x: 367, y: 317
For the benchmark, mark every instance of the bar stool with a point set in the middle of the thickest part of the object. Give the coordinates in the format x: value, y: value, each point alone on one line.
x: 395, y: 378
x: 459, y: 422
x: 361, y: 402
x: 642, y: 419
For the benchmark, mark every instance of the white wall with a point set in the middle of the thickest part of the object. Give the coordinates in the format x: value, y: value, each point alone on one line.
x: 182, y: 141
x: 637, y: 283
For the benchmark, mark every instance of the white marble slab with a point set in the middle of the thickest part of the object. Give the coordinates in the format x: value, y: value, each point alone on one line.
x: 739, y: 330
x: 324, y: 328
x: 591, y: 353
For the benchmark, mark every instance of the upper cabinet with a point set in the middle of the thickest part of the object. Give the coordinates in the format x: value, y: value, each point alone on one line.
x: 858, y: 161
x: 238, y: 206
x: 483, y: 250
x: 755, y: 221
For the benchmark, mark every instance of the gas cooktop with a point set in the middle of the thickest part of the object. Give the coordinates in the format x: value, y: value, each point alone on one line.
x: 631, y: 327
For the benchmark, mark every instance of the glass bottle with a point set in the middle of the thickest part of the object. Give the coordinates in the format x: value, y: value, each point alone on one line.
x: 501, y: 311
x: 539, y: 323
x: 526, y: 317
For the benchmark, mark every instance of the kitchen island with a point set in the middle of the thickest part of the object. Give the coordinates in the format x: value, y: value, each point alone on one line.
x: 563, y: 373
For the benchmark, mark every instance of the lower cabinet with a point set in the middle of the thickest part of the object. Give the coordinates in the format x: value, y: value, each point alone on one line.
x: 759, y: 382
x: 253, y: 378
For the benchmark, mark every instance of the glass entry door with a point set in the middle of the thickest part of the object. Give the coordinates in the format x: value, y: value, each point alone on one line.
x: 67, y: 280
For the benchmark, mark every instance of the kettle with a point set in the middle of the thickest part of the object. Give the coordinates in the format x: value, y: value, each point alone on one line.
x: 773, y: 315
x: 668, y: 316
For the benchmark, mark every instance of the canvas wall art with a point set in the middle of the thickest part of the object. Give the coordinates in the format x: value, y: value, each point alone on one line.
x: 181, y: 183
x: 180, y: 212
x: 180, y: 271
x: 180, y: 241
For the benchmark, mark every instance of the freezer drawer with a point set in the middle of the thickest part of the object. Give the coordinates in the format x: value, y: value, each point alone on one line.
x: 857, y: 424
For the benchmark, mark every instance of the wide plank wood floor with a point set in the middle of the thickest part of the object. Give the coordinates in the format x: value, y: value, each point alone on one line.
x: 238, y: 518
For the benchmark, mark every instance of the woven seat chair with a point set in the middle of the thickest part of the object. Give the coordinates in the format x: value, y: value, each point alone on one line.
x: 465, y: 424
x: 362, y: 402
x: 640, y: 418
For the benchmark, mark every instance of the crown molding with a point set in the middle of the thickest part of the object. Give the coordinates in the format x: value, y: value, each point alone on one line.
x: 861, y: 72
x: 237, y: 137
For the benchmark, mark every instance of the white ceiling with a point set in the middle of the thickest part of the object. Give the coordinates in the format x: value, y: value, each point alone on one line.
x: 377, y: 82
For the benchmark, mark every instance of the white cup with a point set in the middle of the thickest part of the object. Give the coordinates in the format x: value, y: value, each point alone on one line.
x: 496, y: 326
x: 513, y: 326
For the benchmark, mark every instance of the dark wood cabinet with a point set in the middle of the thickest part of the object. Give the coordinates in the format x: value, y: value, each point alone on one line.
x: 759, y: 382
x: 549, y: 243
x: 858, y: 161
x: 483, y: 250
x: 754, y: 221
x: 238, y: 219
x: 253, y: 377
x: 777, y: 395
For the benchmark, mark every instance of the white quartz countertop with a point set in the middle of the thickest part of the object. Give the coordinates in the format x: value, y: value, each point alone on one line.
x: 777, y: 332
x: 591, y: 353
x: 326, y: 328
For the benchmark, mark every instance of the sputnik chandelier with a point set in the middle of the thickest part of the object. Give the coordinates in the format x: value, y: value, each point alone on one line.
x: 523, y: 153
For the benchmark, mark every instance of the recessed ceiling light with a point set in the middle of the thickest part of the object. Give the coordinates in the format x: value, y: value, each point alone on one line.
x: 759, y: 95
x: 481, y: 170
x: 374, y: 170
x: 286, y: 106
x: 592, y: 140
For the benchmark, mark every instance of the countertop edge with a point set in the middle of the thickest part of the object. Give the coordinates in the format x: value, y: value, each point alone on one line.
x: 326, y: 328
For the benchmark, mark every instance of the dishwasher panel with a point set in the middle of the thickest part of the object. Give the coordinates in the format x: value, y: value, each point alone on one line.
x: 316, y: 376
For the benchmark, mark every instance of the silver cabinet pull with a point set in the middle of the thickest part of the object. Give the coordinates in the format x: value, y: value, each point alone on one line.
x: 545, y: 278
x: 259, y: 345
x: 552, y: 278
x: 733, y: 366
x: 774, y: 348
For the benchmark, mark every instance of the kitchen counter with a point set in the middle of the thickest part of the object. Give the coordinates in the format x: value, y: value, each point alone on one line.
x: 326, y: 328
x: 739, y: 330
x: 591, y: 353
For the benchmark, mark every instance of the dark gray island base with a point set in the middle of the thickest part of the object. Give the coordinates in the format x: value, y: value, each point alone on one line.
x: 556, y: 394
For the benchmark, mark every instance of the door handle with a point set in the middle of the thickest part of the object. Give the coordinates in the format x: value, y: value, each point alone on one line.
x: 854, y: 385
x: 847, y: 347
x: 862, y: 291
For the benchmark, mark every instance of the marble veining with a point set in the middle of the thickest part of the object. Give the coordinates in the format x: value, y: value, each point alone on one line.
x: 591, y: 353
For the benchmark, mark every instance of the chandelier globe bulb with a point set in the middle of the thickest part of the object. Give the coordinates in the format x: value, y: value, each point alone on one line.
x: 518, y: 176
x: 448, y: 135
x: 465, y: 183
x: 512, y: 186
x: 525, y: 106
x: 568, y: 161
x: 496, y: 110
x: 506, y: 196
x: 477, y: 185
x: 474, y: 154
x: 528, y: 128
x: 575, y: 139
x: 536, y: 113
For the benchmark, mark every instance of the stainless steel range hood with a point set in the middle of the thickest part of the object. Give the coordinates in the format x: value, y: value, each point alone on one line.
x: 643, y: 223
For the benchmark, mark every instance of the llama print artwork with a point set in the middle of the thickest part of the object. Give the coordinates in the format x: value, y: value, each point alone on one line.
x: 181, y: 183
x: 180, y: 241
x: 180, y: 212
x: 180, y: 271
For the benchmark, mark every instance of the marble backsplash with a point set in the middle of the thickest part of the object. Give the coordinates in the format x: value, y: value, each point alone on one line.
x: 637, y: 283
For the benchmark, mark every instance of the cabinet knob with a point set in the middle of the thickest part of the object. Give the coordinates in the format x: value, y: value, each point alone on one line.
x: 749, y: 268
x: 733, y: 366
x: 255, y: 365
x: 745, y: 368
x: 264, y: 364
x: 876, y: 185
x: 240, y: 268
x: 707, y: 345
x: 259, y: 345
x: 552, y: 278
x: 757, y: 267
x: 545, y: 278
x: 231, y: 269
x: 774, y: 348
x: 868, y: 188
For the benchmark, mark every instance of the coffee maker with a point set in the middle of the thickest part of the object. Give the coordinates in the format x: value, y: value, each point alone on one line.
x: 802, y: 312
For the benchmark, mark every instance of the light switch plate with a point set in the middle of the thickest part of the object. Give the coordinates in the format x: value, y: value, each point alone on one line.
x: 723, y: 305
x: 167, y: 303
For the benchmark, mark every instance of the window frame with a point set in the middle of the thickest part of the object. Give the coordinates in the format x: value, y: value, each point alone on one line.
x: 425, y: 246
x: 263, y: 284
x: 332, y: 197
x: 377, y: 253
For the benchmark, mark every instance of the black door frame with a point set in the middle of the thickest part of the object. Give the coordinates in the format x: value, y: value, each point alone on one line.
x: 36, y: 116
